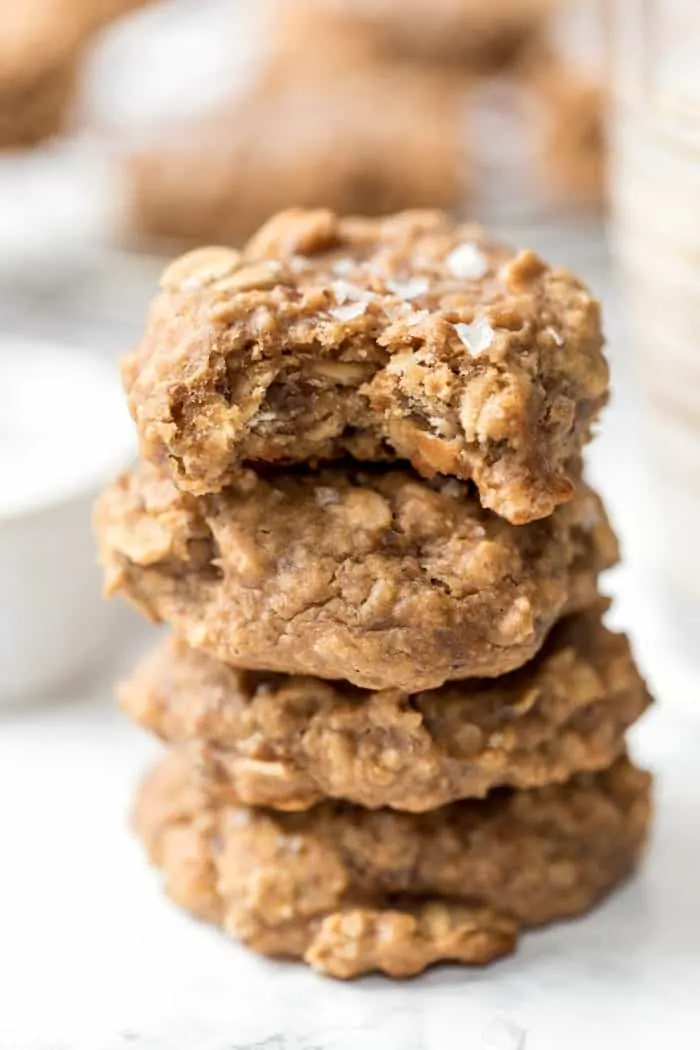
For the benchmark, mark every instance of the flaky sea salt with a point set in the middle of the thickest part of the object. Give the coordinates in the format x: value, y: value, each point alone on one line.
x: 345, y: 290
x: 410, y: 288
x: 452, y: 488
x: 417, y: 317
x: 467, y: 261
x: 348, y: 312
x: 477, y: 336
x: 342, y: 267
x: 240, y: 818
x: 298, y: 263
x: 590, y: 515
x: 556, y: 336
x: 326, y: 496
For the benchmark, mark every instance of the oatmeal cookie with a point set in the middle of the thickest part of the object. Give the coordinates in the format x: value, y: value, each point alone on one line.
x: 574, y: 153
x: 351, y: 890
x: 470, y: 35
x: 376, y: 577
x: 406, y: 337
x: 37, y: 108
x: 370, y: 141
x: 42, y: 46
x: 288, y: 742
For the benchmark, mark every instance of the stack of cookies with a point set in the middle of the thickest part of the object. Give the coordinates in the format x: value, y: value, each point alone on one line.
x: 396, y: 720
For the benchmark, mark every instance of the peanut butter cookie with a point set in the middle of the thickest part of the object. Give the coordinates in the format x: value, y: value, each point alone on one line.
x: 470, y: 35
x: 367, y: 142
x: 288, y: 742
x: 351, y: 890
x: 376, y: 577
x: 406, y: 337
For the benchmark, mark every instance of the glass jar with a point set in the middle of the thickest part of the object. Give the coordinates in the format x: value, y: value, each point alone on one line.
x: 655, y: 186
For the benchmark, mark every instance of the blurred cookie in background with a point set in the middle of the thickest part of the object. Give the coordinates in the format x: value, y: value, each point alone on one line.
x: 468, y: 34
x: 371, y: 141
x: 307, y: 35
x: 337, y: 111
x: 568, y: 74
x: 33, y: 108
x: 100, y: 12
x: 573, y: 136
x: 42, y: 43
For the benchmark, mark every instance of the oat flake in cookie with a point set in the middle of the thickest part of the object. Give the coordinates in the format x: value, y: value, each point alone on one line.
x: 376, y: 577
x: 288, y: 742
x: 407, y: 337
x: 351, y: 890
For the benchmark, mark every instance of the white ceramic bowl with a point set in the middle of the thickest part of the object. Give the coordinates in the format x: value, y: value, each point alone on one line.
x: 64, y: 431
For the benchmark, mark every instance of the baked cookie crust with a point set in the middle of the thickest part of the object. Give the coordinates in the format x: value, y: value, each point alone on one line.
x: 406, y: 337
x: 287, y: 742
x: 375, y: 577
x: 351, y: 890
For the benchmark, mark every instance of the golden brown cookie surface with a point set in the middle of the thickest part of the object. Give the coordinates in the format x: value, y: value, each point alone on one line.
x: 407, y: 337
x: 351, y: 890
x: 288, y: 742
x: 376, y: 577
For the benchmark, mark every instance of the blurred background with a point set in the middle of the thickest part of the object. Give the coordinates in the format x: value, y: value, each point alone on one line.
x: 131, y: 130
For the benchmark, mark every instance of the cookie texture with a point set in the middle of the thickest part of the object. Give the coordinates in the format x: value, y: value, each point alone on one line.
x: 288, y: 742
x: 351, y: 890
x: 375, y: 577
x: 369, y: 141
x: 406, y: 337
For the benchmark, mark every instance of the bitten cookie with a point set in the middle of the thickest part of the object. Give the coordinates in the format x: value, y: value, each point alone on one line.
x: 375, y: 577
x: 351, y: 890
x: 406, y: 337
x: 368, y: 142
x: 288, y: 742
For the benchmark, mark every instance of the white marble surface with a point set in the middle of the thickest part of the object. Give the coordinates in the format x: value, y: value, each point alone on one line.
x: 93, y: 958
